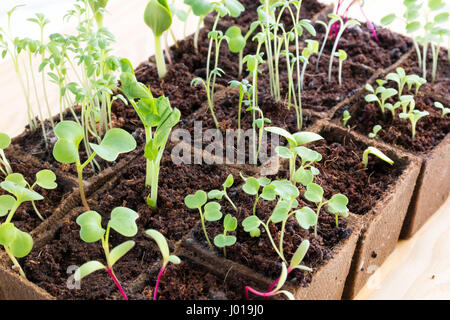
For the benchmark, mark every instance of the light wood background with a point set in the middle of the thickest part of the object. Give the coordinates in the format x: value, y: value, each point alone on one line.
x: 418, y: 269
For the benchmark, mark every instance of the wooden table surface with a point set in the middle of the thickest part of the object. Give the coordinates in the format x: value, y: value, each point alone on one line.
x: 418, y: 269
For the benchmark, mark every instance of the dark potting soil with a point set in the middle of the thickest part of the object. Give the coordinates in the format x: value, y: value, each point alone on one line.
x: 172, y: 218
x: 47, y: 266
x: 188, y: 281
x: 258, y: 253
x: 430, y: 130
x: 25, y: 217
x: 318, y: 94
x: 361, y: 46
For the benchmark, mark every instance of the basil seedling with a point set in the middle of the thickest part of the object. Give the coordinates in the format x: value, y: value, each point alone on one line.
x: 211, y: 210
x: 345, y: 117
x: 376, y: 152
x: 219, y: 194
x: 414, y: 116
x: 70, y: 134
x: 224, y: 240
x: 158, y: 17
x: 375, y: 131
x: 123, y: 221
x: 444, y: 110
x: 5, y: 167
x: 167, y: 257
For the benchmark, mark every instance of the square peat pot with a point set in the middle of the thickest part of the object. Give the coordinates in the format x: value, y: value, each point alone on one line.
x: 431, y: 146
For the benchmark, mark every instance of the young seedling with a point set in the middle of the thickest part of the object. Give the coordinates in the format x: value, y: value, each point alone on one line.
x: 345, y: 117
x: 375, y: 131
x: 158, y: 118
x: 337, y: 205
x: 200, y: 8
x: 385, y: 93
x: 414, y: 116
x: 98, y: 9
x: 444, y: 110
x: 158, y: 17
x: 306, y: 172
x: 123, y: 221
x: 245, y: 89
x: 5, y: 167
x: 311, y: 48
x: 294, y: 140
x: 342, y: 55
x: 328, y: 26
x: 219, y: 194
x: 211, y: 210
x: 70, y: 134
x: 377, y: 153
x: 398, y: 77
x: 165, y: 252
x: 415, y: 80
x: 224, y: 240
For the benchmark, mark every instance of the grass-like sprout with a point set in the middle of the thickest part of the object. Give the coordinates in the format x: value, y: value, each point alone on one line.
x: 328, y: 26
x: 377, y: 153
x: 224, y: 240
x: 158, y: 17
x: 70, y: 134
x: 345, y: 117
x: 5, y: 167
x: 414, y: 116
x: 245, y: 89
x: 444, y: 110
x: 219, y: 194
x: 376, y: 128
x: 165, y: 252
x: 123, y: 221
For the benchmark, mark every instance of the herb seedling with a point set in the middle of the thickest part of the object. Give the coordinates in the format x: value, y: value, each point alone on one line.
x: 375, y: 131
x: 219, y: 194
x: 224, y: 240
x: 167, y: 257
x: 414, y: 116
x: 158, y: 17
x: 345, y: 117
x: 5, y: 167
x: 444, y: 110
x: 385, y: 93
x: 342, y: 55
x: 211, y: 210
x: 377, y: 153
x: 70, y: 134
x: 123, y: 221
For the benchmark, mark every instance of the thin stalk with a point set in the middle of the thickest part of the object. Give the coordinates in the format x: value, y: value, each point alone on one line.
x: 289, y: 270
x: 330, y: 67
x: 160, y: 63
x: 241, y: 98
x: 80, y: 168
x: 266, y: 226
x: 435, y: 61
x: 424, y: 61
x: 241, y: 57
x: 419, y: 55
x: 197, y: 32
x: 327, y: 32
x: 230, y: 201
x: 317, y: 214
x: 202, y: 218
x: 160, y: 274
x: 5, y: 162
x: 340, y: 72
x: 258, y: 293
x: 113, y: 276
x: 15, y: 262
x: 254, y: 204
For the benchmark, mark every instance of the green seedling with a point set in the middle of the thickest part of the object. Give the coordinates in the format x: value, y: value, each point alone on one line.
x: 158, y: 17
x: 219, y: 194
x: 380, y: 95
x: 342, y: 55
x: 345, y: 117
x: 165, y: 252
x: 415, y: 80
x: 98, y: 9
x: 211, y: 210
x: 331, y: 22
x: 444, y: 110
x: 375, y: 131
x: 306, y: 172
x: 245, y: 89
x: 158, y: 118
x: 377, y: 153
x: 337, y: 205
x: 294, y: 141
x: 414, y: 116
x: 311, y: 48
x: 200, y: 8
x: 123, y: 221
x: 5, y: 167
x: 66, y: 150
x: 224, y: 240
x: 402, y: 79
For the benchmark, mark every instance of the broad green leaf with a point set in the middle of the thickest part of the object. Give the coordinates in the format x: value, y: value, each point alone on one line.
x: 46, y: 179
x: 119, y: 251
x: 216, y: 194
x: 229, y: 181
x: 371, y: 98
x: 196, y: 201
x: 212, y: 211
x: 22, y: 194
x: 303, y: 176
x: 115, y: 142
x: 251, y: 186
x: 305, y: 137
x: 157, y: 16
x: 314, y: 193
x: 338, y: 204
x: 285, y: 189
x: 282, y: 132
x: 299, y: 254
x: 17, y: 178
x: 306, y: 217
x: 283, y: 152
x: 7, y: 233
x: 235, y: 39
x: 268, y: 193
x: 229, y: 223
x: 263, y: 181
x: 5, y: 141
x: 413, y: 26
x: 87, y: 268
x: 91, y: 226
x: 69, y: 134
x: 199, y: 7
x: 280, y: 213
x: 7, y: 202
x: 235, y: 7
x: 387, y: 20
x: 21, y: 245
x: 307, y: 155
x: 442, y: 17
x: 388, y: 93
x: 251, y: 223
x: 133, y: 89
x: 160, y: 241
x: 222, y: 241
x: 123, y: 220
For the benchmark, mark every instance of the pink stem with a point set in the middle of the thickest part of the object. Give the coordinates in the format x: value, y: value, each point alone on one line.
x: 111, y: 273
x: 161, y: 272
x: 258, y: 293
x: 369, y: 22
x: 289, y: 270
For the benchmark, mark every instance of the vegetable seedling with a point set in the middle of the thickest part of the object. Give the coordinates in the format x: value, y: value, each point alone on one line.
x: 70, y: 134
x: 385, y: 93
x: 165, y: 252
x: 158, y: 17
x: 444, y: 110
x: 345, y: 117
x: 414, y: 79
x: 224, y: 240
x: 123, y: 221
x: 342, y: 55
x: 237, y: 42
x: 377, y: 153
x: 375, y: 131
x: 414, y: 116
x: 219, y: 194
x: 311, y: 48
x: 211, y: 210
x: 5, y: 167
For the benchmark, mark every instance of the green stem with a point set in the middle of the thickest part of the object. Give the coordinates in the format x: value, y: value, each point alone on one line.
x: 202, y: 218
x: 15, y: 262
x: 160, y: 63
x: 266, y: 227
x: 317, y: 218
x: 230, y: 201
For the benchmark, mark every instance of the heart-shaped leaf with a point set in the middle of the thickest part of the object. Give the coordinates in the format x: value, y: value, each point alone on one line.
x: 236, y: 41
x: 216, y: 194
x: 200, y: 8
x: 314, y: 193
x: 268, y: 193
x: 70, y: 134
x: 196, y: 201
x: 119, y: 251
x: 280, y: 213
x: 22, y: 194
x: 285, y: 189
x: 123, y: 220
x: 212, y: 211
x: 115, y: 142
x: 251, y: 186
x: 7, y: 202
x: 222, y: 241
x: 157, y: 16
x: 229, y: 181
x: 229, y: 223
x: 91, y: 226
x: 307, y: 155
x: 20, y: 243
x: 46, y: 179
x: 283, y: 152
x: 5, y: 141
x: 338, y: 204
x: 306, y: 217
x: 251, y: 223
x: 303, y: 176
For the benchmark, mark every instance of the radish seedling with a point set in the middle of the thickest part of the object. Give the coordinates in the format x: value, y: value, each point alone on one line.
x: 224, y: 240
x: 375, y: 152
x: 66, y: 150
x: 219, y: 194
x: 123, y: 221
x: 345, y: 117
x: 167, y: 257
x: 414, y: 116
x: 5, y: 167
x: 377, y: 128
x: 211, y: 210
x: 158, y: 17
x: 444, y: 110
